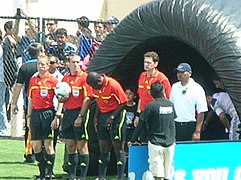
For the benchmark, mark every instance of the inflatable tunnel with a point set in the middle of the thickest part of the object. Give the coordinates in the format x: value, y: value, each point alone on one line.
x: 204, y: 33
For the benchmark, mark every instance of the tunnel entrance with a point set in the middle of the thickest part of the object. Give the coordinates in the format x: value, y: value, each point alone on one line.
x: 171, y: 52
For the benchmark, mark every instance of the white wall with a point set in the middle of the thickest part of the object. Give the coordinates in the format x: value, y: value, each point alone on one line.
x: 70, y: 9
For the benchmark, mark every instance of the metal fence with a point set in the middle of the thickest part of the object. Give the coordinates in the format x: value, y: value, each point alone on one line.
x: 29, y: 30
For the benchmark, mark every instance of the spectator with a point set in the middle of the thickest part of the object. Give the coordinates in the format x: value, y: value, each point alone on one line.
x: 50, y: 37
x: 109, y: 121
x: 190, y: 104
x: 10, y: 55
x: 111, y: 23
x: 76, y: 118
x: 100, y: 30
x: 62, y: 49
x: 150, y: 75
x: 40, y: 116
x: 25, y: 73
x: 83, y: 23
x: 3, y: 115
x: 159, y: 118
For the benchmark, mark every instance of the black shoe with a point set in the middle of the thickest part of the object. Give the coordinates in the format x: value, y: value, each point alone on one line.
x: 29, y: 159
x: 48, y: 178
x: 56, y: 176
x: 38, y: 178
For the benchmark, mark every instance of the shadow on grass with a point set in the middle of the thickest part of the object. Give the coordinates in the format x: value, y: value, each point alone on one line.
x: 57, y: 176
x: 10, y: 177
x: 17, y: 162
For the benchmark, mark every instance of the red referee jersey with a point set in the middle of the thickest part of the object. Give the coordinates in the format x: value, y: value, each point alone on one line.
x: 41, y: 91
x: 110, y: 95
x: 79, y: 90
x: 144, y: 86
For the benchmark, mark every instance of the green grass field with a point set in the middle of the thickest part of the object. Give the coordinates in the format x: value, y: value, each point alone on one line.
x: 13, y: 167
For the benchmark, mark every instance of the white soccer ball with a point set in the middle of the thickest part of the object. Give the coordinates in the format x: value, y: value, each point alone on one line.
x: 62, y: 89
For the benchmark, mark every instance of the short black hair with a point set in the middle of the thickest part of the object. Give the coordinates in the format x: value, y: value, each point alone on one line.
x: 157, y: 90
x: 61, y: 31
x: 215, y: 77
x: 34, y: 50
x: 93, y: 77
x: 8, y: 25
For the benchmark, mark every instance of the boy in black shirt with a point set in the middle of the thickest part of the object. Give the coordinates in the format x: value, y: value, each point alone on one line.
x: 159, y: 117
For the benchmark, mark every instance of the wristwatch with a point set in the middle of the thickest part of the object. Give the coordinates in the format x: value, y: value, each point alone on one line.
x: 112, y: 117
x: 80, y: 116
x: 58, y: 116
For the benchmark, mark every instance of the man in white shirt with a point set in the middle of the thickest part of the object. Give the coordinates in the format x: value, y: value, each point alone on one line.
x: 222, y: 104
x: 190, y: 104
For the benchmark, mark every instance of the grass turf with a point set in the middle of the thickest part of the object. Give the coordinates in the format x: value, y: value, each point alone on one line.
x: 12, y: 165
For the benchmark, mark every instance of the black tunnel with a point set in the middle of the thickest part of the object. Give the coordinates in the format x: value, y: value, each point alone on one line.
x: 204, y: 33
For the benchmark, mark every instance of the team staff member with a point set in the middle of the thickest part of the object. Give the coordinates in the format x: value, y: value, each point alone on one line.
x: 159, y: 117
x: 76, y: 118
x: 109, y: 120
x: 190, y: 103
x: 41, y: 116
x: 150, y: 75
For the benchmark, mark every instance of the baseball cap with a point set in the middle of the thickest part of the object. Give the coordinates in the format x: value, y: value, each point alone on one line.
x: 183, y: 67
x: 112, y: 20
x: 83, y: 21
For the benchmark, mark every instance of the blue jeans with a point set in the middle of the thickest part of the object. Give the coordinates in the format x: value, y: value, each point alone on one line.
x: 3, y: 115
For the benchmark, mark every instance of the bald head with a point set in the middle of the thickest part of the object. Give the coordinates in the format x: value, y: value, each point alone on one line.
x: 95, y: 80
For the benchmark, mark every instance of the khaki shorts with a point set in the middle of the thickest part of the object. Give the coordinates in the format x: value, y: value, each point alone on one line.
x: 161, y: 160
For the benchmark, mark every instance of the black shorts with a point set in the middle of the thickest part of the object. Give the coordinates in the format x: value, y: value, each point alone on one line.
x: 118, y: 130
x: 69, y: 131
x: 129, y: 133
x: 40, y: 124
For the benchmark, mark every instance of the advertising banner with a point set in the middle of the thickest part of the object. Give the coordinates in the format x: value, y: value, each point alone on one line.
x: 193, y: 161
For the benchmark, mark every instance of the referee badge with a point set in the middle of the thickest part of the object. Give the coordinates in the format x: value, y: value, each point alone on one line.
x: 75, y: 92
x: 43, y: 93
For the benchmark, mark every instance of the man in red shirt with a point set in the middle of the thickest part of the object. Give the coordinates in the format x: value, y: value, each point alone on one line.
x: 109, y: 121
x: 40, y: 116
x: 150, y: 75
x: 76, y: 118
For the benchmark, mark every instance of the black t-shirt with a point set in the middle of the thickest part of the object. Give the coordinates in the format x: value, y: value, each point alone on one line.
x: 159, y: 118
x: 26, y: 71
x: 130, y: 116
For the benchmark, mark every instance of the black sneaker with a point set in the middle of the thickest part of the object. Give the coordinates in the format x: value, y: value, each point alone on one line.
x: 39, y: 178
x: 29, y: 159
x: 54, y: 176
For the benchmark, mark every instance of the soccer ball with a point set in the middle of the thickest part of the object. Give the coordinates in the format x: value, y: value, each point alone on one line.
x: 62, y: 89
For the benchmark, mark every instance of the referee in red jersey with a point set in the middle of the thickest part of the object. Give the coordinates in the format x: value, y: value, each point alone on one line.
x: 40, y: 116
x: 150, y: 75
x: 76, y: 118
x: 109, y: 121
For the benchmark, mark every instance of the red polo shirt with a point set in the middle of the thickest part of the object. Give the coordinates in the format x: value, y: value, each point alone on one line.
x: 110, y: 95
x: 79, y: 90
x: 41, y: 91
x: 144, y: 86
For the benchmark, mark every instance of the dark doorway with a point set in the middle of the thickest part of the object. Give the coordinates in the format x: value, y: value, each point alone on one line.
x: 171, y: 52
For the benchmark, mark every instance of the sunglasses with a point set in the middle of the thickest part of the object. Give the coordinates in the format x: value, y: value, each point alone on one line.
x: 52, y: 62
x: 50, y: 24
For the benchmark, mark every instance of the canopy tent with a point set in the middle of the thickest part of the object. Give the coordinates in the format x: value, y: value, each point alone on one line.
x: 204, y: 33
